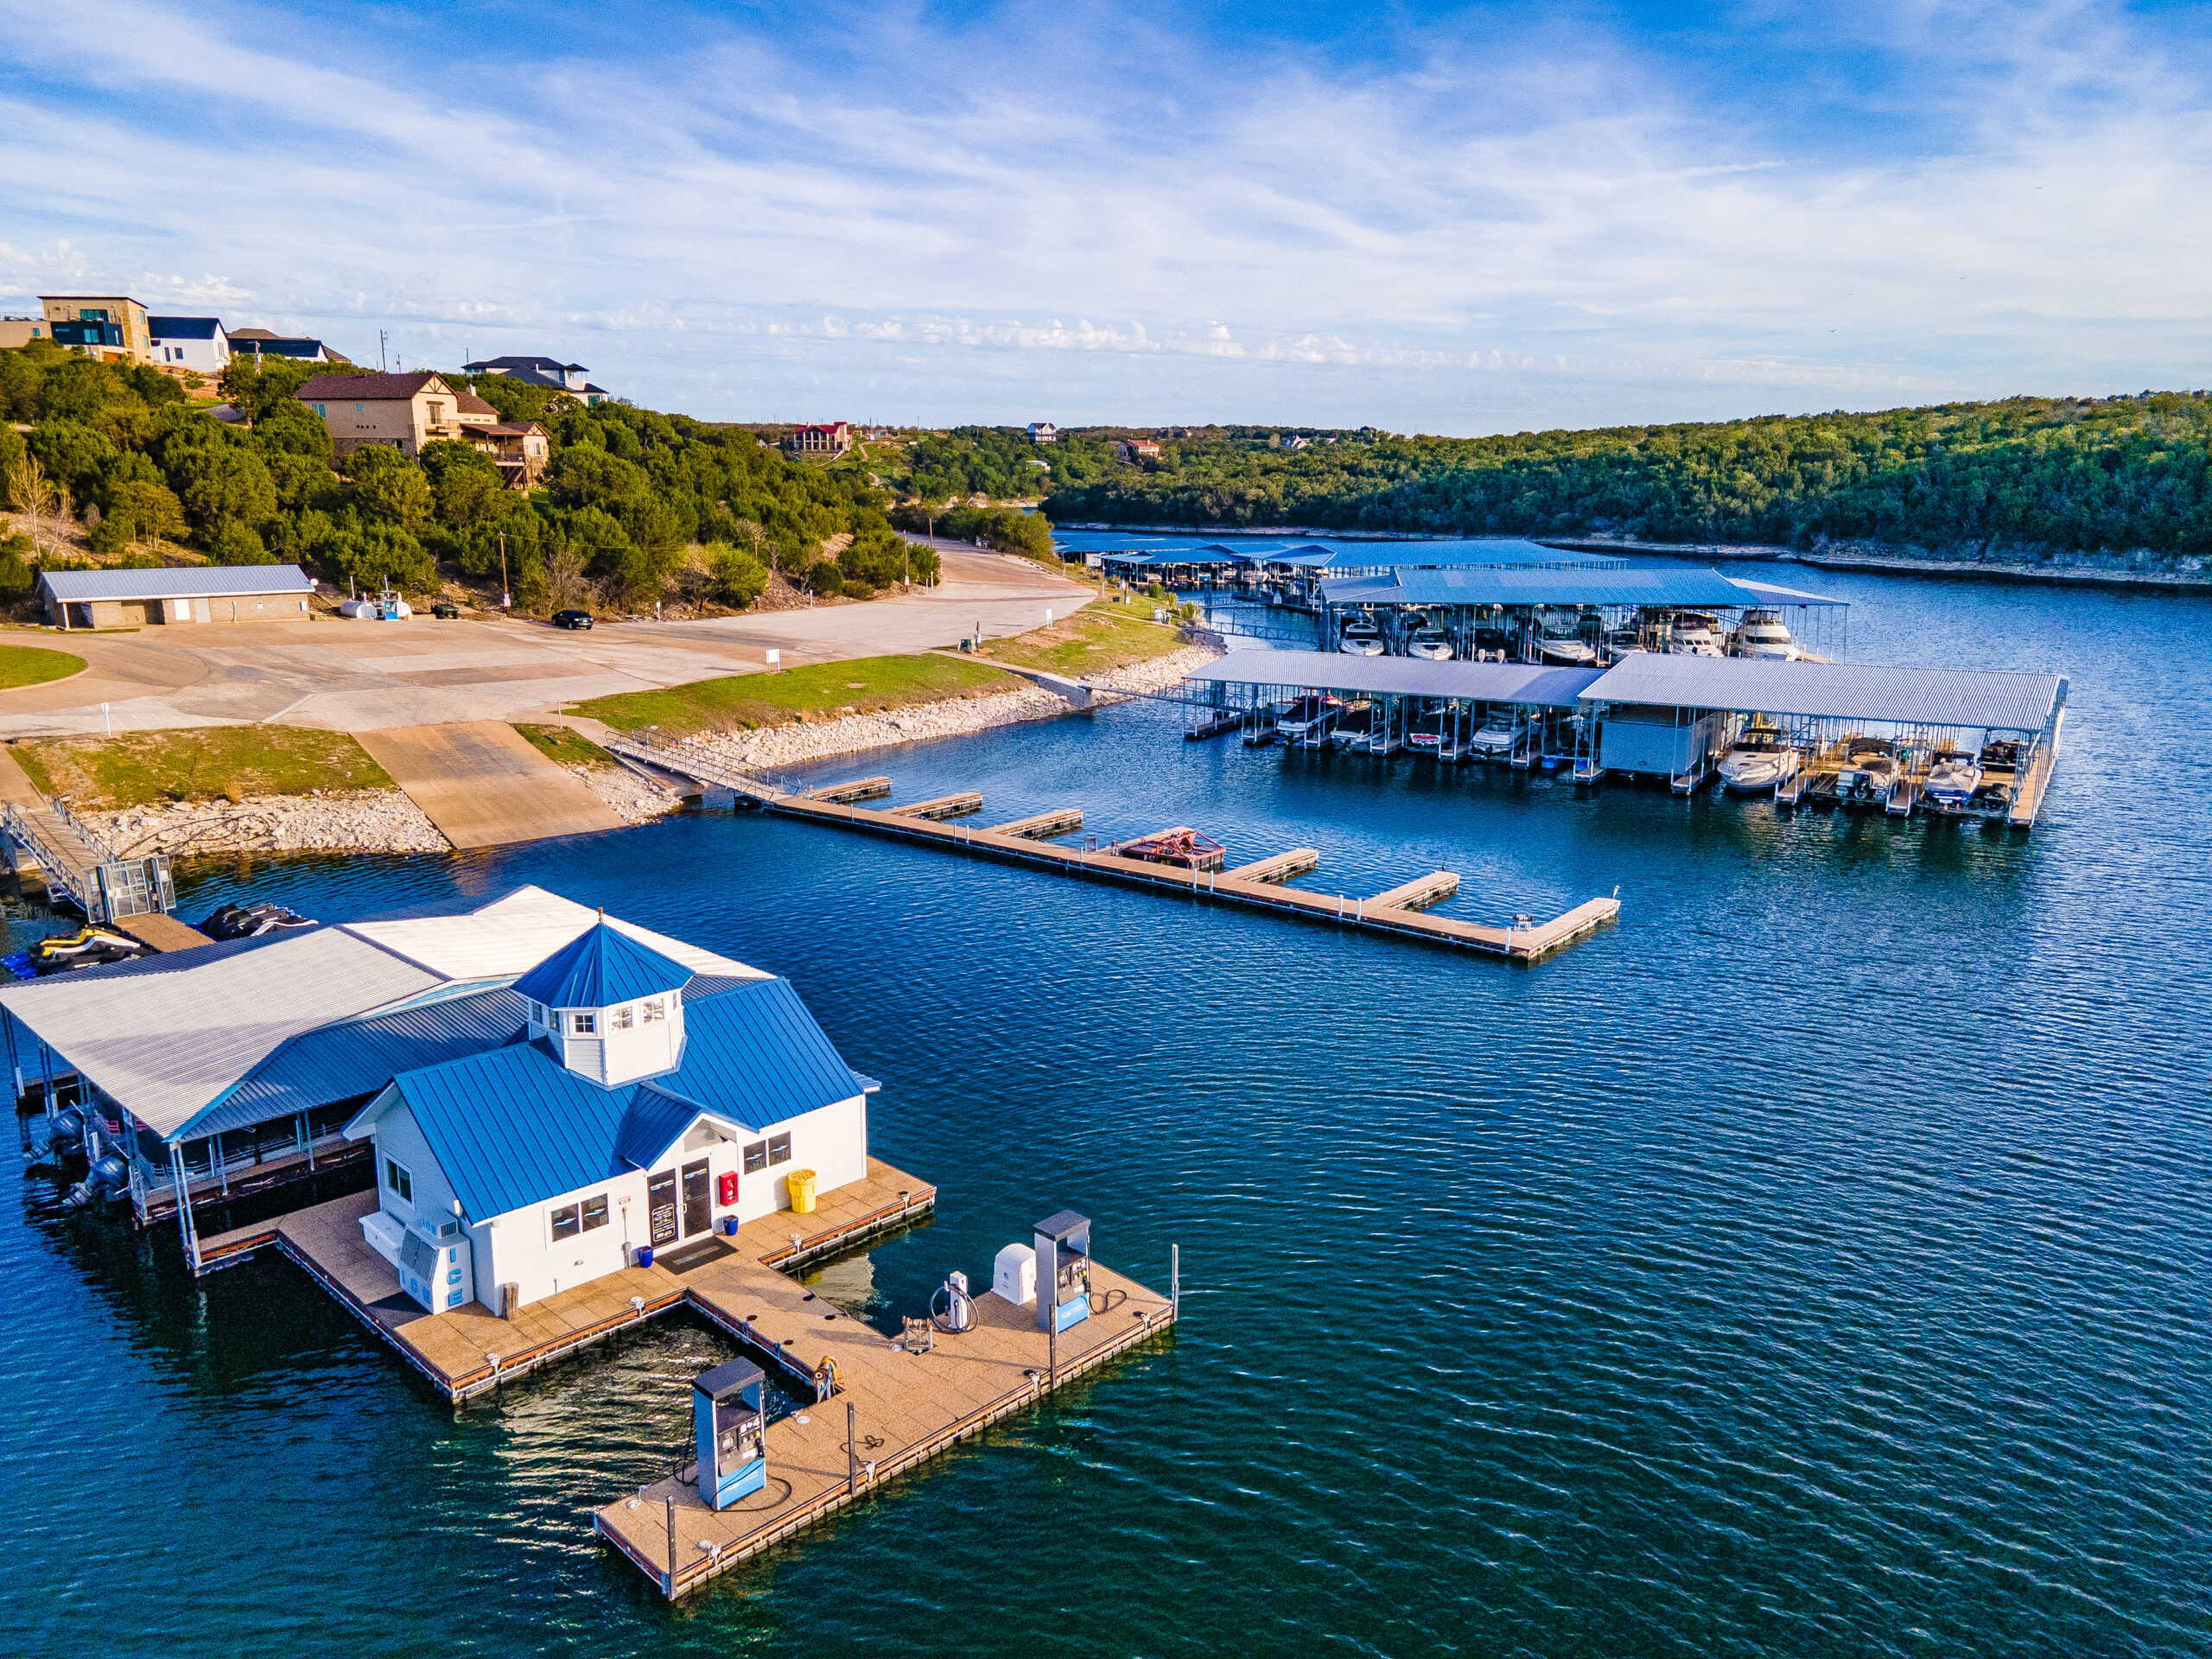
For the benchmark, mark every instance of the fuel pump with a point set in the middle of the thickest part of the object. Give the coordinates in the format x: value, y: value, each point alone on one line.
x: 1063, y: 1270
x: 730, y: 1417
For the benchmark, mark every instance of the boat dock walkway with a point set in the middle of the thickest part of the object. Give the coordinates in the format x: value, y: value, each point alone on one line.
x: 73, y: 861
x: 1522, y: 941
x: 904, y: 1407
x: 471, y: 1349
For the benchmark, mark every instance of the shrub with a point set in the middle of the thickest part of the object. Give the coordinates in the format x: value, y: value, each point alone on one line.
x: 825, y: 579
x: 736, y: 577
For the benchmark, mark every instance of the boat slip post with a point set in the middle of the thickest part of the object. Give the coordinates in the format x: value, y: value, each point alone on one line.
x: 852, y: 1456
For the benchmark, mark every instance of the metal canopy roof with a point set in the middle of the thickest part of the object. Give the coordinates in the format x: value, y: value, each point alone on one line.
x: 1768, y: 592
x: 1520, y: 682
x: 1619, y: 585
x: 1987, y: 699
x: 1506, y: 551
x: 189, y: 581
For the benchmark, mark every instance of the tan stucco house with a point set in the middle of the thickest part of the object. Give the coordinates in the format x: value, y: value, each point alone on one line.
x: 105, y: 325
x: 403, y: 412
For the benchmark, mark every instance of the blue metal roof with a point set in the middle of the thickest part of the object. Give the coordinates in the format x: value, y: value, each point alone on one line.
x: 514, y: 1127
x: 757, y: 1055
x: 656, y: 1120
x: 599, y: 967
x: 1578, y: 586
x: 186, y: 581
x: 184, y: 327
x: 1508, y: 552
x: 354, y: 1060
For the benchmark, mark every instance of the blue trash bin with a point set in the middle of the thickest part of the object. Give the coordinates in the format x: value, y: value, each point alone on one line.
x: 729, y: 1226
x: 644, y: 1255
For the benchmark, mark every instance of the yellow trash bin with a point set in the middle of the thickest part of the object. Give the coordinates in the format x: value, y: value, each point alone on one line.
x: 802, y: 1182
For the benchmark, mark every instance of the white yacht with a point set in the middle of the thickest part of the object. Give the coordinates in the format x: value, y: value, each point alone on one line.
x: 1360, y: 639
x: 1559, y: 639
x: 1868, y: 774
x: 1695, y: 635
x: 1763, y: 633
x: 1431, y: 644
x: 1952, y: 776
x: 1498, y: 736
x: 1757, y: 761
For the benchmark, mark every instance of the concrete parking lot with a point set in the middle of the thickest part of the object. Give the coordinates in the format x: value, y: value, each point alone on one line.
x: 355, y: 677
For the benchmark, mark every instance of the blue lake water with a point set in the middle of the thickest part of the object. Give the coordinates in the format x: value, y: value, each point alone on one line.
x: 1814, y: 1262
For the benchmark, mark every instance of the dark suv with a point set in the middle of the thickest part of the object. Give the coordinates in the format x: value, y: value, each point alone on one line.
x: 572, y: 618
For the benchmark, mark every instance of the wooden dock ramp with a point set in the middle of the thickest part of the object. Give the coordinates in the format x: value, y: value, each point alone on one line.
x: 854, y: 789
x: 1277, y: 866
x: 483, y: 784
x: 1043, y: 826
x: 944, y: 806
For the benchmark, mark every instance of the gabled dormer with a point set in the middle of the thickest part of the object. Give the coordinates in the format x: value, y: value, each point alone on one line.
x: 611, y: 1008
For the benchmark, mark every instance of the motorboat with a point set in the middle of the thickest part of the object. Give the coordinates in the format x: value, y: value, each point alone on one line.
x: 1762, y: 634
x: 1431, y: 644
x: 1757, y: 761
x: 1695, y: 634
x: 1559, y: 639
x: 1360, y: 638
x: 1868, y: 772
x: 1952, y: 776
x: 1431, y: 732
x: 1354, y: 726
x: 1498, y: 736
x: 1492, y: 644
x: 1309, y: 718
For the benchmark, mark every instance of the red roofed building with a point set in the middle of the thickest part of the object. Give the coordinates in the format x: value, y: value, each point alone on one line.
x: 832, y: 439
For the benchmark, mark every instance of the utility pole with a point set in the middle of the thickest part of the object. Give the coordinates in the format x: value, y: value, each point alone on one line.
x: 382, y: 340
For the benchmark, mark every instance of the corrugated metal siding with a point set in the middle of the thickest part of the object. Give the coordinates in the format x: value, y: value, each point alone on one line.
x: 1965, y: 698
x: 1520, y: 682
x: 1579, y: 585
x: 192, y: 581
x: 165, y: 1037
x: 345, y: 1062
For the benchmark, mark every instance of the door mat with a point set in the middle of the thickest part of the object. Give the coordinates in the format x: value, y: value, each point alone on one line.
x: 695, y: 1256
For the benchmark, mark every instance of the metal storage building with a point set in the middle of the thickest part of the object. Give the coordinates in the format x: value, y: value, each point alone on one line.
x: 192, y: 593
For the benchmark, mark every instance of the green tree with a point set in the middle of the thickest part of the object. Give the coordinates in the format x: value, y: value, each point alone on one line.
x: 15, y: 574
x: 736, y: 577
x: 825, y: 579
x: 224, y: 484
x: 237, y: 543
x: 150, y: 506
x: 388, y: 486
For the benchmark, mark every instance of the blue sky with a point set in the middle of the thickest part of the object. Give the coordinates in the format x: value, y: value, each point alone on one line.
x: 1424, y: 217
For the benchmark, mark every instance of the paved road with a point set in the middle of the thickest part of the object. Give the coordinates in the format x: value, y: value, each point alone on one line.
x: 356, y: 676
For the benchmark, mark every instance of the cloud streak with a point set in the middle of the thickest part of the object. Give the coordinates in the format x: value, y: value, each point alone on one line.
x: 1486, y: 225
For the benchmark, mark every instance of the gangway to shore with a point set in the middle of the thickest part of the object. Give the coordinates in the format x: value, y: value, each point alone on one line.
x: 76, y: 863
x: 1523, y: 941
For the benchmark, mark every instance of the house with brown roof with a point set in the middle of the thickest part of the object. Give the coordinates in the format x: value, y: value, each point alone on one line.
x: 519, y: 447
x: 402, y: 410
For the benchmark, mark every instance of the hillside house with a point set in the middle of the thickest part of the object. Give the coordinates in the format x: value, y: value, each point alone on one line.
x: 831, y: 438
x: 103, y: 325
x: 1044, y: 432
x: 299, y: 348
x: 405, y: 411
x: 572, y: 378
x: 196, y: 344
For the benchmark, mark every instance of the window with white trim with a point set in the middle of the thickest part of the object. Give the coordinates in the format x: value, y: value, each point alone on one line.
x: 655, y: 1008
x: 397, y: 1178
x: 621, y: 1021
x: 583, y: 1025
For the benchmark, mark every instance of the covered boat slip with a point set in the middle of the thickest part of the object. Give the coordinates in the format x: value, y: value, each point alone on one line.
x: 1282, y: 573
x: 1611, y: 608
x: 1664, y: 716
x: 1675, y: 717
x: 1399, y: 702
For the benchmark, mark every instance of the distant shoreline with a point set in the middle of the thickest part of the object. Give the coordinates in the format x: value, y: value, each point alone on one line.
x: 2140, y: 582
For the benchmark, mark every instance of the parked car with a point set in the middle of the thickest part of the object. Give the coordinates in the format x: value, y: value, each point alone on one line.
x: 572, y: 618
x: 445, y: 610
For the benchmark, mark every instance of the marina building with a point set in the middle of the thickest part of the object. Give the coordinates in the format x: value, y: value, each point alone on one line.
x: 546, y: 1095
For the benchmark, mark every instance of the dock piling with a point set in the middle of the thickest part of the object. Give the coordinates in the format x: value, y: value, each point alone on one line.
x: 852, y: 1447
x: 670, y: 1503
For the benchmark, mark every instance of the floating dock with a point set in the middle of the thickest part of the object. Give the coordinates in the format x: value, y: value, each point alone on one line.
x: 1522, y: 941
x: 1278, y: 866
x: 854, y: 789
x: 944, y: 806
x: 1043, y: 826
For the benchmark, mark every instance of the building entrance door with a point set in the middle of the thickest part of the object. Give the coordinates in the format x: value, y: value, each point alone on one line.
x: 660, y: 1207
x: 698, y: 1200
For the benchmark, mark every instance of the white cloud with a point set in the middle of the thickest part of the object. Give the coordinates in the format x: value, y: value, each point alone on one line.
x: 1511, y: 232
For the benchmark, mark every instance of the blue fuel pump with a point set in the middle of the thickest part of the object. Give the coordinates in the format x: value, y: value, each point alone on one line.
x: 729, y: 1415
x: 1063, y: 1271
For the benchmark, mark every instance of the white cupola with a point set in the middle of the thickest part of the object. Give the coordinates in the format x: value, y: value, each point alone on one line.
x: 611, y: 1009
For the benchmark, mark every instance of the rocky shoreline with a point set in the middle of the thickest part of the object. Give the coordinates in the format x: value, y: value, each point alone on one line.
x: 785, y: 745
x: 334, y: 821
